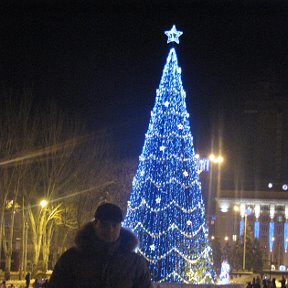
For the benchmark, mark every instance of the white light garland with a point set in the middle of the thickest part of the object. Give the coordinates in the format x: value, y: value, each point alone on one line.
x: 172, y: 227
x: 167, y: 136
x: 155, y: 210
x: 172, y: 180
x: 202, y: 255
x: 168, y: 157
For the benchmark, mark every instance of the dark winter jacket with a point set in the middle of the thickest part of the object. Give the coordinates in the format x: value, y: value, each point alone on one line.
x: 96, y: 264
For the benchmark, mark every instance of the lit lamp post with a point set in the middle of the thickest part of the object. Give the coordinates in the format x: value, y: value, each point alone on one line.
x: 271, y: 257
x: 244, y: 242
x: 214, y: 160
x: 26, y: 227
x: 206, y: 165
x: 235, y: 215
x: 43, y: 203
x: 243, y: 214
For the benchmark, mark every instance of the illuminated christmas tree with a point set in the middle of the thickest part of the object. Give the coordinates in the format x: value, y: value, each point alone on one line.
x: 166, y: 209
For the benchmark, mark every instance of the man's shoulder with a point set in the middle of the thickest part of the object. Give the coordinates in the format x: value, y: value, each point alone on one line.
x: 69, y: 254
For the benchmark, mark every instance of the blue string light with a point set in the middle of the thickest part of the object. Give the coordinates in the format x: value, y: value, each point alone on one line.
x: 242, y: 227
x: 271, y: 235
x: 256, y: 230
x: 286, y: 236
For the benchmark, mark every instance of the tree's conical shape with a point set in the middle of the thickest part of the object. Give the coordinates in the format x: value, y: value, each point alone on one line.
x: 166, y: 208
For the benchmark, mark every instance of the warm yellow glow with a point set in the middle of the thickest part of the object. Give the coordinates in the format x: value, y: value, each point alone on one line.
x: 236, y: 208
x: 216, y: 159
x: 226, y: 238
x: 212, y: 157
x: 220, y: 159
x: 197, y: 156
x: 212, y: 237
x: 43, y: 203
x: 224, y: 207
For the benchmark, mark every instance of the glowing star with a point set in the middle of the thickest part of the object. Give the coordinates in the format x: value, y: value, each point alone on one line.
x: 189, y: 222
x: 166, y: 104
x: 152, y: 247
x: 180, y: 127
x: 173, y: 35
x: 142, y: 173
x: 162, y: 148
x: 185, y: 173
x: 158, y: 200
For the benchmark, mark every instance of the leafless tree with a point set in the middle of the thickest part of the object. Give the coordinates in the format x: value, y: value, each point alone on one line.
x: 46, y: 155
x: 14, y: 137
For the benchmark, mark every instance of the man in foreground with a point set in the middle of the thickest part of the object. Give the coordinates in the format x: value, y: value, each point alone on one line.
x: 103, y: 257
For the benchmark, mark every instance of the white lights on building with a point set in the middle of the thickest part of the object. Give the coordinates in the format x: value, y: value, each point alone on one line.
x: 257, y: 211
x: 242, y: 210
x: 272, y: 211
x: 224, y: 207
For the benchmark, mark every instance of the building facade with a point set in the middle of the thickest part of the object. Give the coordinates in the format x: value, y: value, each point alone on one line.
x: 266, y: 215
x: 253, y: 190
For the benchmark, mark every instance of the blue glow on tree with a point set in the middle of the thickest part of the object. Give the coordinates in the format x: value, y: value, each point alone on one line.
x: 166, y: 209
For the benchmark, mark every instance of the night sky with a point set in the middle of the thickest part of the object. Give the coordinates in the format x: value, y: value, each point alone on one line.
x: 102, y: 61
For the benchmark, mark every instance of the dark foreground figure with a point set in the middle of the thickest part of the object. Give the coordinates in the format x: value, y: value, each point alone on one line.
x: 103, y: 257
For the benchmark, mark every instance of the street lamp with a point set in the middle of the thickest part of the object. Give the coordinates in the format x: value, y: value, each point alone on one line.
x: 271, y: 258
x: 236, y: 210
x: 214, y: 160
x: 26, y: 227
x: 244, y: 241
x: 244, y: 212
x: 43, y: 203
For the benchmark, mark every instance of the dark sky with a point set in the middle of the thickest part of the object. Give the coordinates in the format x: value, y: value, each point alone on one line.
x: 103, y: 61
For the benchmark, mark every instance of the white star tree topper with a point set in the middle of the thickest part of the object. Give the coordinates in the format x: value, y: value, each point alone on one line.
x: 173, y: 35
